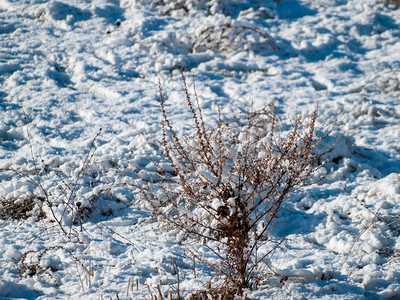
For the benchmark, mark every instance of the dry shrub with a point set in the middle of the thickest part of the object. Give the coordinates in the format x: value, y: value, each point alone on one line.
x: 396, y: 2
x: 233, y: 36
x: 229, y: 184
x: 19, y: 208
x: 230, y: 8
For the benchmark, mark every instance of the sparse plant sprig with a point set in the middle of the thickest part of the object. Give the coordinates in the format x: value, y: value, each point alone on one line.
x: 32, y: 263
x: 230, y: 185
x: 57, y: 198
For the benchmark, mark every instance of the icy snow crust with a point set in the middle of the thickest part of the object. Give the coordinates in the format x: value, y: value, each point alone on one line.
x: 69, y: 68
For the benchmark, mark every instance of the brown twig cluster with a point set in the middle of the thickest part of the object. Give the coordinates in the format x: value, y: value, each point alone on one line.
x: 230, y: 184
x: 227, y: 36
x: 18, y: 208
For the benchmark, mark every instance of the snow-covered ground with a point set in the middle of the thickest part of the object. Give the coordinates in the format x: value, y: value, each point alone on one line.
x: 79, y: 115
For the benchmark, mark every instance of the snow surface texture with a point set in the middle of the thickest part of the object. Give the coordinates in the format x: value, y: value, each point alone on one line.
x: 69, y: 68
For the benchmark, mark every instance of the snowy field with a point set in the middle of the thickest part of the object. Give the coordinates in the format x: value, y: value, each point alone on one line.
x: 80, y: 119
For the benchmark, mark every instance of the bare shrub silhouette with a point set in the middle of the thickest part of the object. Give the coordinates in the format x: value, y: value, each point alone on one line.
x: 228, y: 185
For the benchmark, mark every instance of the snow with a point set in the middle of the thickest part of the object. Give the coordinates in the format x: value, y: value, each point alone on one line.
x: 70, y: 70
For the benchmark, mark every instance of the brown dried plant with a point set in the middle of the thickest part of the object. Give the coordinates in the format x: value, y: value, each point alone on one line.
x: 229, y: 184
x: 396, y: 2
